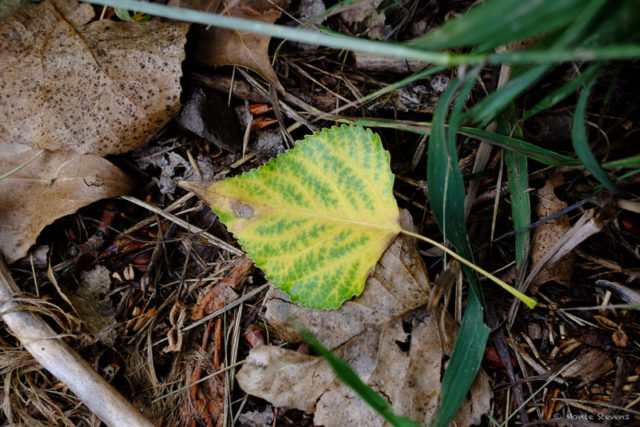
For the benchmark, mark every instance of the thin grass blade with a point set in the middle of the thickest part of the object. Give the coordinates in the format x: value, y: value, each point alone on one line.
x: 518, y: 20
x: 487, y: 109
x: 532, y: 151
x: 466, y: 357
x: 628, y: 162
x: 518, y: 174
x: 345, y: 374
x: 581, y: 143
x: 562, y: 92
x: 446, y: 198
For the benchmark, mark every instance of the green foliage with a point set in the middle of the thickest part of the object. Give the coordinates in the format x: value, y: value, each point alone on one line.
x: 580, y: 143
x: 446, y: 198
x: 518, y: 176
x: 497, y: 22
x: 124, y: 15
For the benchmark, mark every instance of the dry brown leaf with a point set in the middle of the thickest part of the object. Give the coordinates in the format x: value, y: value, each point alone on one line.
x: 102, y: 88
x: 395, y: 347
x: 54, y: 185
x: 546, y: 236
x: 219, y: 46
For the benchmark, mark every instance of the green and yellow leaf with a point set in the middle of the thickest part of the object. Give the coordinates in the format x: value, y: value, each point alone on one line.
x: 317, y: 218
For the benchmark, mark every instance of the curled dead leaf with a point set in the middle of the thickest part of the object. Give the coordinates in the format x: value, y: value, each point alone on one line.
x: 102, y: 87
x: 548, y: 234
x: 54, y: 185
x: 394, y: 345
x: 219, y: 46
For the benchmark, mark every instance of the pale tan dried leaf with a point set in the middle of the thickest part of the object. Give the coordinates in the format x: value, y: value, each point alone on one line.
x: 219, y: 46
x: 54, y: 185
x: 548, y: 234
x: 365, y: 332
x: 102, y: 88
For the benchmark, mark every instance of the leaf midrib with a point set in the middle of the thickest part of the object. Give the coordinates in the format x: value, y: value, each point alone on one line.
x: 269, y: 208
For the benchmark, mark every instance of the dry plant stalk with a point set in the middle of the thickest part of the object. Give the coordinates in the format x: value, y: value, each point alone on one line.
x: 58, y: 358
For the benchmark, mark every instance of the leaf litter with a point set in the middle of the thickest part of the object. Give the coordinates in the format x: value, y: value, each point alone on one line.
x: 31, y: 198
x: 79, y: 90
x: 151, y: 313
x: 546, y: 236
x: 386, y: 335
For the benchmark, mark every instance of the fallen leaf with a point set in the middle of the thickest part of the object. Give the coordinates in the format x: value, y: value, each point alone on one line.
x: 548, y: 234
x: 52, y: 186
x: 395, y: 346
x: 219, y: 46
x: 103, y: 87
x: 256, y: 418
x: 366, y: 12
x: 316, y: 218
x: 94, y: 306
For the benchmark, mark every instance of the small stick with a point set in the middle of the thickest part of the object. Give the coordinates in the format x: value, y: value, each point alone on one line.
x: 64, y: 363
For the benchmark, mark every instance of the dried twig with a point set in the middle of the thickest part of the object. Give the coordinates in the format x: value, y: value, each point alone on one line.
x: 57, y: 357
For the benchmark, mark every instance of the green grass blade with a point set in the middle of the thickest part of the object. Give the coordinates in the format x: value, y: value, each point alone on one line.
x: 345, y: 374
x: 466, y: 357
x: 562, y: 92
x: 528, y: 149
x: 532, y: 151
x: 446, y: 198
x: 123, y: 14
x: 487, y: 109
x: 444, y: 179
x: 397, y: 50
x: 338, y: 41
x: 518, y: 174
x: 20, y: 167
x: 628, y: 162
x: 517, y: 20
x: 578, y: 54
x: 581, y: 143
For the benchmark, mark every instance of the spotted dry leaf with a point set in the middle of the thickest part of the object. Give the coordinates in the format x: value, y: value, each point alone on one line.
x: 548, y: 235
x: 103, y: 87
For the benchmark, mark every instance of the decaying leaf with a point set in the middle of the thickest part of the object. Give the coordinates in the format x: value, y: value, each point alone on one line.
x: 546, y: 236
x: 54, y: 185
x: 395, y: 346
x: 366, y: 12
x: 316, y: 218
x: 219, y: 46
x: 93, y: 304
x: 103, y: 88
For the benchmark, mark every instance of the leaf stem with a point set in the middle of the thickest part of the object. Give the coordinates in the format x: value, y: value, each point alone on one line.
x: 530, y: 302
